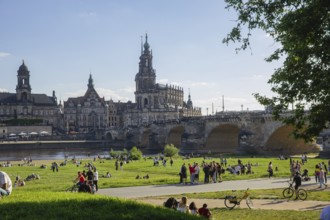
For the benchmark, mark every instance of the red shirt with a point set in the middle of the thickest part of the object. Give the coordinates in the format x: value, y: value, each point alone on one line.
x: 204, y: 212
x: 191, y: 169
x: 81, y: 178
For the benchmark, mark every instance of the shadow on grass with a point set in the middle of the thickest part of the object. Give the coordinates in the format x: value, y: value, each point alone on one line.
x: 100, y: 208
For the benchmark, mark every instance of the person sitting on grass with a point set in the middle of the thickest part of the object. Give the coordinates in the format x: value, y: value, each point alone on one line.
x: 5, y: 184
x: 205, y: 212
x: 193, y: 208
x: 182, y: 206
x: 108, y: 175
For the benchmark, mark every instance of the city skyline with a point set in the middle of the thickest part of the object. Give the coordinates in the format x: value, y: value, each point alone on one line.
x: 63, y: 42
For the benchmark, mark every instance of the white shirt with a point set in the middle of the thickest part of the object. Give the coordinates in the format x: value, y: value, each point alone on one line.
x: 4, y: 178
x: 96, y: 176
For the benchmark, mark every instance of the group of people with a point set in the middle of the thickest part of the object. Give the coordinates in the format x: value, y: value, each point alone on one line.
x: 192, y: 209
x: 321, y: 174
x: 89, y: 179
x: 212, y: 171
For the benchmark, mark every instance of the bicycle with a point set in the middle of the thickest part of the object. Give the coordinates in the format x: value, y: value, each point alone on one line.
x: 290, y: 191
x: 231, y: 201
x: 73, y: 188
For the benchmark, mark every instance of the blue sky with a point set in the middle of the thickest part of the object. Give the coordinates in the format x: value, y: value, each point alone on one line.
x: 62, y: 42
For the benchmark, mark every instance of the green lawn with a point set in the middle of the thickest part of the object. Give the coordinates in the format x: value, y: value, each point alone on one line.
x: 46, y: 197
x: 126, y: 177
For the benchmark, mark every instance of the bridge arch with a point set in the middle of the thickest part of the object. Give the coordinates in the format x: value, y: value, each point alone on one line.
x: 145, y: 138
x: 174, y: 136
x: 223, y: 138
x: 280, y: 141
x: 108, y: 136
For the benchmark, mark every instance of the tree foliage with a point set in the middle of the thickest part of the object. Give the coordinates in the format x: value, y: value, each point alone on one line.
x: 170, y: 150
x: 302, y: 28
x: 135, y: 153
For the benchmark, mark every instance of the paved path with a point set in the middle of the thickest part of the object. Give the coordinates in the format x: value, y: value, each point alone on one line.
x: 159, y: 193
x: 161, y: 190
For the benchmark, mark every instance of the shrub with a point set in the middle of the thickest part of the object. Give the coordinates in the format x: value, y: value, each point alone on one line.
x: 135, y: 154
x: 170, y: 150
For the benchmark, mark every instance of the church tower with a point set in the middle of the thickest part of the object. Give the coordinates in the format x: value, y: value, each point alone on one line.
x: 145, y: 79
x: 23, y: 88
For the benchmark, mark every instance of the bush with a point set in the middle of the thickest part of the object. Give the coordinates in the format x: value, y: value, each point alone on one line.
x: 114, y: 154
x: 135, y: 154
x: 170, y: 150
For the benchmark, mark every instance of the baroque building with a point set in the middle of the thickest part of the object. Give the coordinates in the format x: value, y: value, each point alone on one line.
x: 86, y: 113
x: 154, y: 101
x: 24, y: 104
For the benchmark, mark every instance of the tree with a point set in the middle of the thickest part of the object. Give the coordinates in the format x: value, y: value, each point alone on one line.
x: 302, y: 27
x: 170, y: 150
x: 135, y: 153
x: 113, y: 153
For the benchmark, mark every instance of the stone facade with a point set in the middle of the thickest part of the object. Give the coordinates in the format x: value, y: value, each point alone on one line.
x: 25, y: 105
x: 156, y: 102
x: 87, y: 113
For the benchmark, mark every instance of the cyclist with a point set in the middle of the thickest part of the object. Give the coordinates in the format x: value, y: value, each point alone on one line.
x: 297, y: 181
x: 80, y: 178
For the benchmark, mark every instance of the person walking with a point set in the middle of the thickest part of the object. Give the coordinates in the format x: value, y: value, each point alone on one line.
x: 321, y: 178
x: 184, y: 173
x: 270, y: 169
x: 96, y: 179
x: 317, y: 173
x: 325, y: 169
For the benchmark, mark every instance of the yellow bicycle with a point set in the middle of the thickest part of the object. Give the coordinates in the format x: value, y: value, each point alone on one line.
x: 231, y: 201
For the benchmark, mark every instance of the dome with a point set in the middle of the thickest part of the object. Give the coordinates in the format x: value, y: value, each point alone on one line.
x: 23, y: 68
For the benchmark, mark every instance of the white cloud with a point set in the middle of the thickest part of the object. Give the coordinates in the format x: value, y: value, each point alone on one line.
x: 163, y: 81
x: 3, y: 90
x: 4, y: 54
x: 129, y: 90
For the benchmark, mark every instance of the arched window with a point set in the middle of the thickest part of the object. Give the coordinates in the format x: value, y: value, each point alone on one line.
x: 145, y: 103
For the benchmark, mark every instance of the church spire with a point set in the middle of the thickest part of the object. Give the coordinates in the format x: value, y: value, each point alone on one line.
x: 189, y: 102
x: 146, y: 45
x: 90, y: 82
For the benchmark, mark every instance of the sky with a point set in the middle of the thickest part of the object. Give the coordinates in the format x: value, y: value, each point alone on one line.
x: 62, y: 42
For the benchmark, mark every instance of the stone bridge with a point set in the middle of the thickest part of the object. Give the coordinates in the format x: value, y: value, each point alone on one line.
x: 235, y: 132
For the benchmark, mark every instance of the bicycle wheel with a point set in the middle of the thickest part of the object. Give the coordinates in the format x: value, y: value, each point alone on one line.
x: 249, y: 202
x: 288, y: 193
x: 228, y: 204
x: 75, y: 188
x: 302, y: 194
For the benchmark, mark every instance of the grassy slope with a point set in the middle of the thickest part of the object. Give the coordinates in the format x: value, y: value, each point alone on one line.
x: 43, y: 196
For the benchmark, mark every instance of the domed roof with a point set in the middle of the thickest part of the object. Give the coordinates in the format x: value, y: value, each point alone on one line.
x: 23, y: 68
